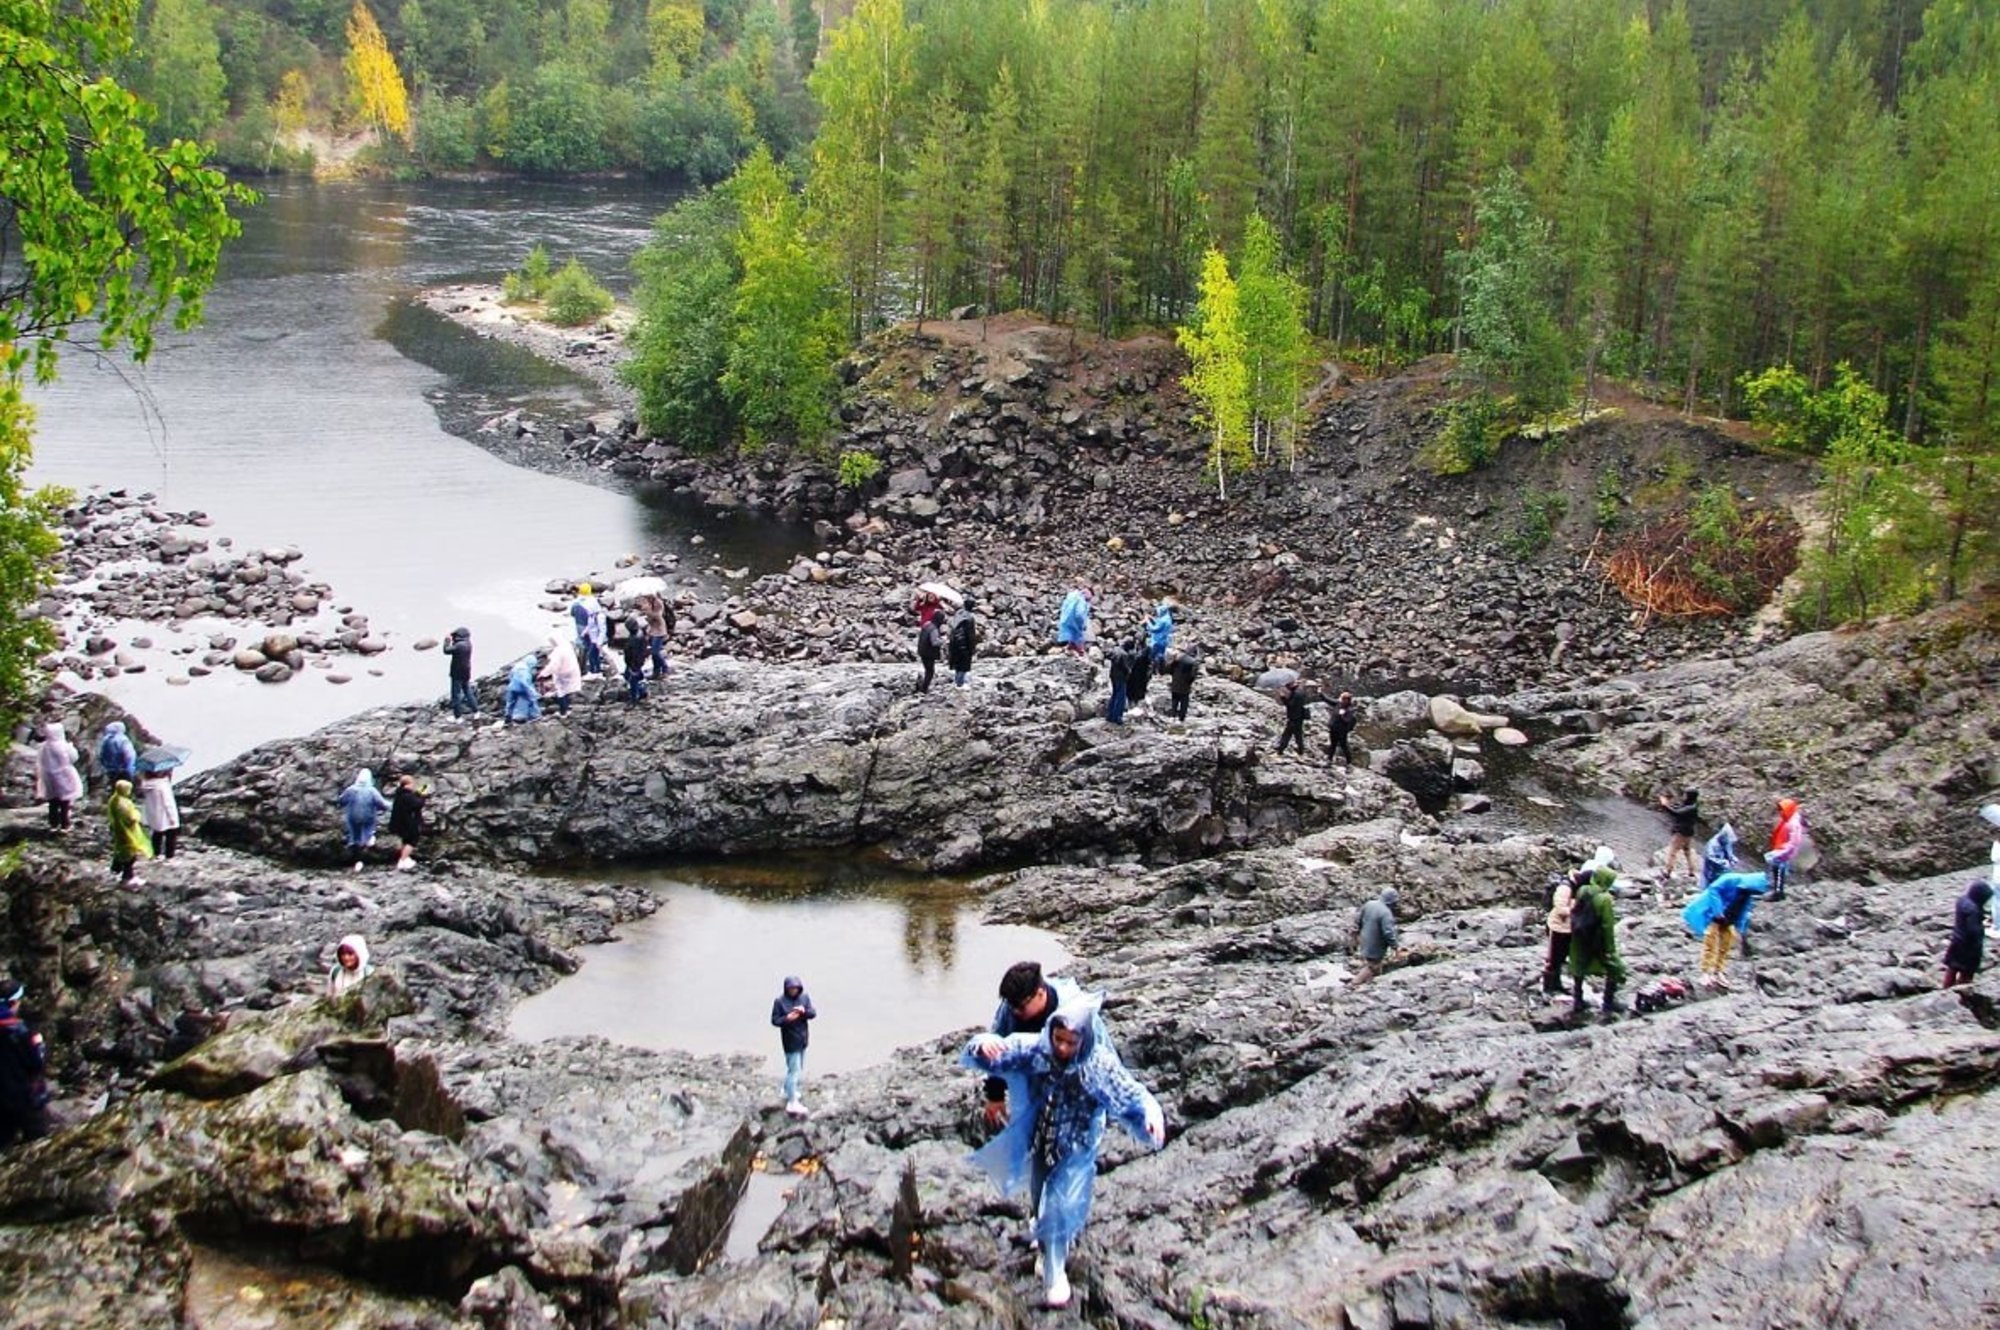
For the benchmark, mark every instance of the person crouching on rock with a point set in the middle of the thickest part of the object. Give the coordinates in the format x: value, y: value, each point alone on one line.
x: 350, y: 965
x: 1071, y: 1081
x: 406, y: 820
x: 521, y: 704
x: 361, y: 807
x: 1968, y: 935
x: 633, y: 648
x: 1375, y: 934
x: 565, y: 676
x: 1718, y: 916
x: 129, y: 843
x: 1593, y: 942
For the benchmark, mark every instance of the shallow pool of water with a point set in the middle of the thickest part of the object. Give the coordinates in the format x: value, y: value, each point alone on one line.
x: 888, y: 962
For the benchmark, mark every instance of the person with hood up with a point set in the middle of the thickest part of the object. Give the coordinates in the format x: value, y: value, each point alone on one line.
x: 464, y: 702
x: 588, y: 616
x: 1681, y: 819
x: 116, y: 757
x: 406, y: 820
x: 1375, y: 934
x: 57, y: 781
x: 1718, y: 916
x: 1180, y: 680
x: 1338, y: 726
x: 350, y: 965
x: 361, y: 806
x: 521, y: 705
x: 633, y: 646
x: 1788, y: 838
x: 1719, y: 855
x: 1295, y: 696
x: 1593, y: 941
x: 961, y: 641
x: 1071, y: 1082
x: 1073, y: 622
x: 1160, y: 632
x: 930, y: 645
x: 162, y: 810
x: 1027, y: 1000
x: 565, y: 676
x: 1118, y: 665
x: 1141, y: 677
x: 128, y: 835
x: 790, y: 1011
x: 1967, y: 949
x: 24, y: 1089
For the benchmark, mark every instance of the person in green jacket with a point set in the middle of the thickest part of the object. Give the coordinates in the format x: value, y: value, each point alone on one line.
x: 129, y: 842
x: 1593, y: 942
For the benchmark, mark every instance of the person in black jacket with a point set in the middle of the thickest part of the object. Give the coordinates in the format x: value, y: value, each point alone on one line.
x: 1118, y: 664
x: 406, y: 820
x: 930, y: 645
x: 1338, y: 727
x: 636, y: 651
x: 464, y: 702
x: 1142, y: 673
x: 960, y: 642
x: 1968, y: 935
x: 1297, y: 701
x: 1681, y: 817
x: 24, y: 1092
x: 1180, y: 679
x: 790, y: 1011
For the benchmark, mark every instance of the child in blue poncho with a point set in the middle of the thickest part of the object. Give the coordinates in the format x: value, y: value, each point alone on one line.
x: 1071, y: 1082
x: 1718, y: 916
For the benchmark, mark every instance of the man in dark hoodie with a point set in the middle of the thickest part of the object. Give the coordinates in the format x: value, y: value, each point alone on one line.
x: 790, y: 1011
x: 960, y: 642
x: 1118, y: 664
x: 1338, y: 726
x: 1296, y: 700
x: 634, y: 647
x: 1142, y: 673
x: 24, y: 1092
x: 459, y: 647
x: 1968, y: 935
x: 1180, y: 679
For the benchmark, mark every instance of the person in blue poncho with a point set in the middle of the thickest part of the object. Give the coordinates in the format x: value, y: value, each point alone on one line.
x: 361, y: 805
x: 1160, y: 632
x: 1071, y: 1082
x: 1073, y: 623
x: 1718, y: 916
x: 521, y: 702
x: 1718, y: 856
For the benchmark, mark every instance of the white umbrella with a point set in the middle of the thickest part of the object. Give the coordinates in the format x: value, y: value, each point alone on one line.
x: 1270, y: 681
x: 640, y: 586
x: 944, y: 591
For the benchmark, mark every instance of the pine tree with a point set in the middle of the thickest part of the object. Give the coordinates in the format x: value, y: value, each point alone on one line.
x: 862, y: 84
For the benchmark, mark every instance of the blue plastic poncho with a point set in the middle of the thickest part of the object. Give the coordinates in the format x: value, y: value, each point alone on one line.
x: 1160, y: 632
x: 1054, y: 1144
x: 1073, y: 624
x: 1718, y: 856
x: 522, y: 704
x: 361, y: 804
x: 1722, y: 899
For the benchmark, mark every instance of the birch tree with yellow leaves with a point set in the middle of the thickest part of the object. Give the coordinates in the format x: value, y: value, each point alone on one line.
x: 373, y: 81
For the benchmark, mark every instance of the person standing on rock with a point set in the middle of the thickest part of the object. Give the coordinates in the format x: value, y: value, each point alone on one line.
x: 588, y: 616
x: 129, y: 843
x: 406, y: 820
x: 1118, y: 664
x: 1338, y: 726
x: 1180, y: 680
x: 659, y: 617
x: 1788, y: 838
x: 1719, y: 855
x: 1376, y: 935
x: 361, y: 807
x: 162, y: 811
x: 1967, y: 949
x: 57, y: 781
x: 1160, y: 632
x: 930, y: 645
x: 1562, y: 899
x: 1718, y: 916
x: 961, y: 642
x: 1073, y: 622
x: 1027, y: 1000
x: 1593, y: 942
x: 1297, y: 700
x: 350, y: 965
x: 1071, y: 1082
x: 790, y: 1011
x: 464, y: 702
x: 633, y: 645
x: 24, y: 1087
x: 1681, y: 818
x: 521, y: 705
x: 1141, y: 677
x: 116, y: 757
x: 565, y: 676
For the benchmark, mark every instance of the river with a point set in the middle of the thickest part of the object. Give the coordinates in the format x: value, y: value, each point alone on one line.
x: 304, y: 411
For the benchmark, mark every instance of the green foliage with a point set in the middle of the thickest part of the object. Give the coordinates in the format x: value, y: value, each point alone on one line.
x: 1473, y: 429
x: 531, y: 280
x: 1719, y: 537
x: 1541, y: 510
x: 447, y: 133
x: 556, y: 123
x: 1218, y: 377
x: 1507, y: 282
x: 1275, y: 346
x: 1610, y: 499
x: 785, y: 333
x: 858, y: 468
x: 680, y: 341
x: 575, y: 298
x: 98, y: 225
x: 181, y: 70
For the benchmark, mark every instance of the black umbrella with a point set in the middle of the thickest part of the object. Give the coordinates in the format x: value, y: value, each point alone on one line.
x: 162, y: 757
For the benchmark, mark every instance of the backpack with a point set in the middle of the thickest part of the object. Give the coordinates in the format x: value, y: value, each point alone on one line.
x: 1584, y: 924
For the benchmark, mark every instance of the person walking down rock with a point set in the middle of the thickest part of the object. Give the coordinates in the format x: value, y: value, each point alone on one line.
x: 129, y: 843
x: 406, y: 820
x: 1071, y: 1083
x: 1718, y: 916
x: 1788, y: 839
x: 1180, y: 680
x: 633, y: 647
x: 1967, y: 949
x: 361, y: 807
x: 961, y: 642
x: 1027, y: 999
x: 790, y: 1011
x: 1681, y: 818
x: 1338, y: 726
x: 1375, y: 934
x: 521, y: 703
x: 1160, y: 632
x: 1141, y: 677
x: 162, y: 811
x: 659, y: 617
x: 1073, y: 622
x: 1118, y: 664
x: 1296, y: 700
x: 350, y: 965
x: 1719, y: 855
x: 24, y: 1086
x: 116, y: 757
x: 464, y: 702
x: 57, y: 781
x: 930, y: 645
x: 564, y: 675
x: 1561, y: 900
x: 1593, y: 942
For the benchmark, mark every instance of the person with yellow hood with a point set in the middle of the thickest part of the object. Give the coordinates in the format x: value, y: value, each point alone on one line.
x: 129, y: 842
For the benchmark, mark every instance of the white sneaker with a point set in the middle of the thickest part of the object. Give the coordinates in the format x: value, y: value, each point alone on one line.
x: 797, y: 1109
x: 1058, y: 1288
x: 357, y: 865
x: 405, y: 865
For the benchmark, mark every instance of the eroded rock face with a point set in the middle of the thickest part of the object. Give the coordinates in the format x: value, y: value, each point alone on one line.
x: 733, y: 757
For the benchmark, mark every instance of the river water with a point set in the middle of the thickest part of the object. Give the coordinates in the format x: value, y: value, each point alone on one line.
x: 304, y: 412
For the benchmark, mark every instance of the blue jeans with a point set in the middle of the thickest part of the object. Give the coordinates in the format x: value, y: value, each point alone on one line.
x: 795, y: 1063
x: 958, y: 677
x: 463, y: 700
x: 1115, y: 713
x: 635, y: 685
x: 593, y: 661
x: 658, y: 646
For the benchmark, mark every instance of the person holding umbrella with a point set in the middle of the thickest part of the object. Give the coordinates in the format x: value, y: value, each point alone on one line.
x: 161, y: 810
